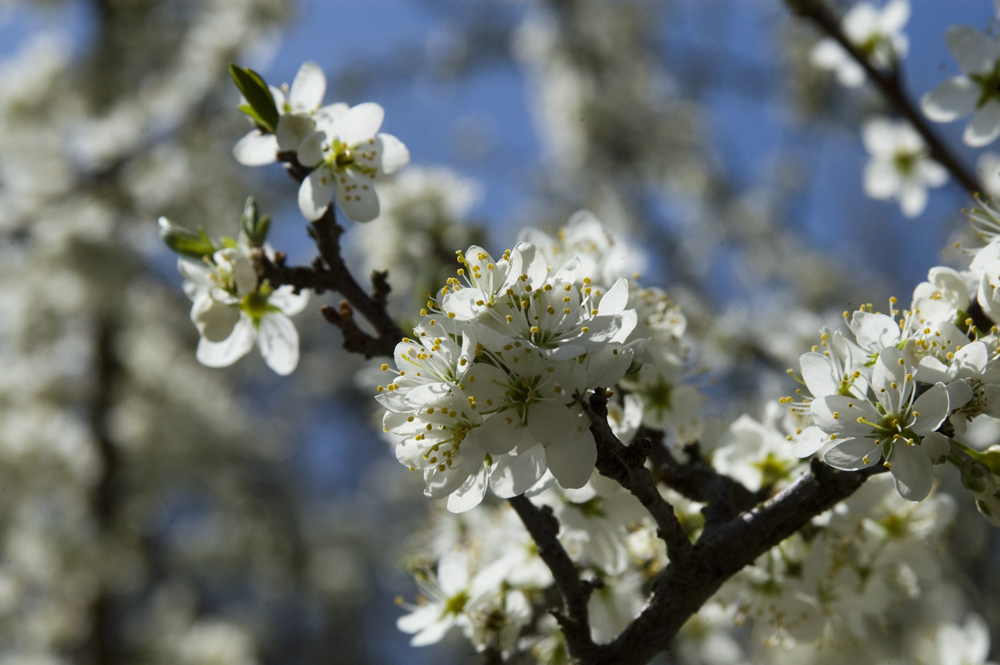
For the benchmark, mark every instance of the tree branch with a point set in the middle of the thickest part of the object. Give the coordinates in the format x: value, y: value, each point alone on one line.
x: 544, y: 527
x: 625, y: 464
x: 890, y: 85
x: 684, y: 586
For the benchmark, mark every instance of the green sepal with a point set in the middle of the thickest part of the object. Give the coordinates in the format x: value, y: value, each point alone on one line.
x: 255, y: 227
x: 260, y: 106
x: 192, y: 245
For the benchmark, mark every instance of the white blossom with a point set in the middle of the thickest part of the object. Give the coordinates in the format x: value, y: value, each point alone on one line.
x: 900, y: 166
x: 977, y: 92
x: 878, y: 34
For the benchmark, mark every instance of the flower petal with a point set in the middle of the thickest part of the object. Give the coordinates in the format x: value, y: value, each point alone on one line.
x: 974, y: 51
x: 573, y: 465
x: 228, y: 351
x: 356, y: 196
x: 853, y: 454
x: 279, y: 343
x: 950, y: 100
x: 315, y: 194
x: 470, y: 494
x: 361, y: 123
x: 308, y: 88
x: 937, y: 447
x: 933, y: 407
x: 984, y: 127
x: 394, y: 154
x: 515, y: 474
x: 256, y: 149
x: 912, y: 470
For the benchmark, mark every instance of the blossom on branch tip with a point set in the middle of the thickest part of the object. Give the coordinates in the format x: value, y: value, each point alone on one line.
x: 298, y: 109
x: 348, y: 154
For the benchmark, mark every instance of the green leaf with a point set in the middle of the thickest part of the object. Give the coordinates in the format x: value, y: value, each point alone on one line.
x: 185, y: 243
x: 254, y: 227
x: 262, y: 108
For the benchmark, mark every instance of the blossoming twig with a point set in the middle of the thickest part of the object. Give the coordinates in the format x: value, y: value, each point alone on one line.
x: 889, y: 84
x: 330, y: 273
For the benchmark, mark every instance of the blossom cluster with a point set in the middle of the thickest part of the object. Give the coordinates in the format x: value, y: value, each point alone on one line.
x: 902, y: 387
x: 487, y: 392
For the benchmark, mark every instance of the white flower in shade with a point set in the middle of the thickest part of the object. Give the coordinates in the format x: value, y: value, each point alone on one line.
x: 977, y: 92
x: 449, y: 598
x: 988, y: 166
x: 232, y: 312
x: 899, y: 166
x: 348, y: 153
x: 876, y: 33
x: 964, y: 645
x: 895, y: 425
x: 297, y: 109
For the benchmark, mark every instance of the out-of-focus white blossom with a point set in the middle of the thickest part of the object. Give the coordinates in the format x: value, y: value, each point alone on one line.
x: 900, y: 166
x: 877, y: 33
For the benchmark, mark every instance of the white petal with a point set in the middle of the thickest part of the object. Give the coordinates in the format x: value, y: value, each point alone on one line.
x: 912, y: 470
x: 310, y: 150
x: 818, y: 372
x: 394, y: 154
x: 881, y: 180
x: 256, y: 149
x: 361, y: 123
x: 912, y: 199
x: 214, y: 320
x: 225, y: 353
x: 878, y: 134
x: 308, y: 88
x: 974, y: 51
x: 279, y: 343
x: 984, y: 126
x: 809, y: 442
x: 356, y: 196
x: 933, y: 407
x: 515, y: 474
x: 289, y: 302
x: 615, y: 300
x: 931, y: 173
x: 827, y: 54
x: 433, y: 633
x: 894, y: 16
x: 874, y: 331
x: 556, y: 426
x: 470, y: 494
x: 498, y: 434
x: 315, y: 194
x: 937, y: 447
x: 573, y: 465
x: 292, y: 130
x: 852, y: 455
x: 950, y: 100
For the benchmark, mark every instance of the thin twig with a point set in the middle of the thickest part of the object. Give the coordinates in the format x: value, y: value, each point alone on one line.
x: 625, y: 464
x: 890, y: 85
x: 544, y: 527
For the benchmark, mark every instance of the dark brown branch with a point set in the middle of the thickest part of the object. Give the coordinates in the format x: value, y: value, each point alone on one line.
x: 890, y: 85
x: 684, y: 586
x: 695, y: 479
x: 626, y: 466
x: 573, y: 620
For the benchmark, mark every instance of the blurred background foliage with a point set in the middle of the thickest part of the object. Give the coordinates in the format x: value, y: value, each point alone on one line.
x: 155, y: 511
